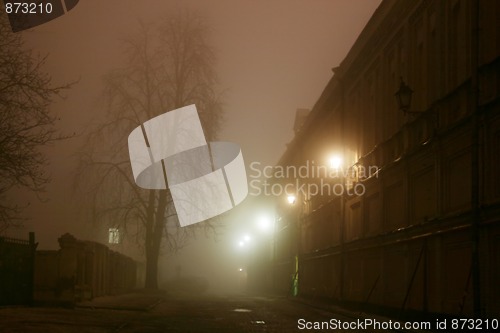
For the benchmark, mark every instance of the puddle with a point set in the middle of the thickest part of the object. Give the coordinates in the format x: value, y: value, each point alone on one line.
x: 242, y: 310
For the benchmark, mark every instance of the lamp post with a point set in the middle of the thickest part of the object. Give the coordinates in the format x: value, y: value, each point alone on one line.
x: 338, y: 163
x: 295, y: 236
x: 286, y: 243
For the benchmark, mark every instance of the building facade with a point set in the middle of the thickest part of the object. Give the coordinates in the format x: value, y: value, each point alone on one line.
x: 408, y: 219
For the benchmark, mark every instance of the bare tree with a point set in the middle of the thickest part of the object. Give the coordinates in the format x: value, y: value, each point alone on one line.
x: 26, y: 124
x: 168, y: 66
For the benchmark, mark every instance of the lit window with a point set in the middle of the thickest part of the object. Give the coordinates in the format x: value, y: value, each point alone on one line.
x: 114, y: 236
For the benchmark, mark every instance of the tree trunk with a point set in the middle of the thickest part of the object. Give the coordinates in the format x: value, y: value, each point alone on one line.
x: 151, y: 281
x: 154, y: 232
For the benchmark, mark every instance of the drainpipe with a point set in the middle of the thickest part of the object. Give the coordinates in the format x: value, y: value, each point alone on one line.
x: 342, y: 199
x: 475, y: 151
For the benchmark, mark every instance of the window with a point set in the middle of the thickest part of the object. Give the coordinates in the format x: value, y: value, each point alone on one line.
x: 114, y: 236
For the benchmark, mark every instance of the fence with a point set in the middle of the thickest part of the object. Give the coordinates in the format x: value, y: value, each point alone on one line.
x: 16, y: 270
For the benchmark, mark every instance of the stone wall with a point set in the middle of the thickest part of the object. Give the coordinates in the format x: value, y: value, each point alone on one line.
x: 81, y: 270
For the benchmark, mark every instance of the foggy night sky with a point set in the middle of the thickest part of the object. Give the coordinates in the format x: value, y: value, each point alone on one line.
x: 273, y: 57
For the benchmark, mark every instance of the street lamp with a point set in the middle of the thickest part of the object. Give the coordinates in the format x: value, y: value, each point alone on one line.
x: 246, y: 239
x: 335, y: 162
x: 403, y: 97
x: 265, y: 224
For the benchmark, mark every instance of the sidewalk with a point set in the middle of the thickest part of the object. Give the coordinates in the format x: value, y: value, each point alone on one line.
x: 130, y: 302
x: 101, y: 315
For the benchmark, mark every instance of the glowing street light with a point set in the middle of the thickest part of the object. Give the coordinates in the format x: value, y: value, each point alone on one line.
x: 291, y: 199
x: 265, y: 223
x: 245, y: 240
x: 335, y: 162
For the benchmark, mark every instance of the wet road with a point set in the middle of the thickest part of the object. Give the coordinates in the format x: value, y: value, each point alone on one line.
x: 187, y: 314
x: 226, y: 314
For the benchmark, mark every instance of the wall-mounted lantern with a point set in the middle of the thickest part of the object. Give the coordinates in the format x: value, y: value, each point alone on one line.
x: 403, y: 97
